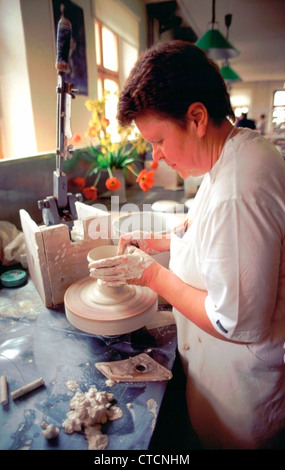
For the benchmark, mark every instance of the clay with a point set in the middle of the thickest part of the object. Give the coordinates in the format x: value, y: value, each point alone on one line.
x: 71, y: 384
x: 3, y: 391
x: 96, y: 440
x: 152, y: 408
x: 88, y: 411
x: 110, y: 382
x: 116, y: 271
x: 27, y: 388
x: 50, y: 431
x: 94, y: 307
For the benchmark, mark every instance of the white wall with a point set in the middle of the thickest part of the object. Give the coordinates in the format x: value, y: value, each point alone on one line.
x: 16, y: 114
x: 28, y: 77
x: 258, y: 96
x: 139, y: 10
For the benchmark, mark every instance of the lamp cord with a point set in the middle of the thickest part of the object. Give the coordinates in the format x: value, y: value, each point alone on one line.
x: 228, y: 22
x: 213, y: 12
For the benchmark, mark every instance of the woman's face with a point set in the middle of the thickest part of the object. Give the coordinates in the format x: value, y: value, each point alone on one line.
x: 181, y: 149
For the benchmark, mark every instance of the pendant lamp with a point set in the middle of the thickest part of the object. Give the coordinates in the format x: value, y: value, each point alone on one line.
x: 229, y: 74
x: 214, y: 43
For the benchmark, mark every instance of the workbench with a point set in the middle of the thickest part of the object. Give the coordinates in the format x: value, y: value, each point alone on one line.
x: 36, y: 341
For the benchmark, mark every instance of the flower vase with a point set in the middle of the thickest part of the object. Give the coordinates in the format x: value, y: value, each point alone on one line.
x: 121, y: 192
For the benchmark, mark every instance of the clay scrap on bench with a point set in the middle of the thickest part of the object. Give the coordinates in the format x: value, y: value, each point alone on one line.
x: 140, y: 368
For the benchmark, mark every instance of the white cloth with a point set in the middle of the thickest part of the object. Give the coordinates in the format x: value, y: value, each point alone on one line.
x: 235, y: 250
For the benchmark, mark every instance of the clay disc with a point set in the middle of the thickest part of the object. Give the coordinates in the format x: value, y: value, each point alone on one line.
x: 114, y: 313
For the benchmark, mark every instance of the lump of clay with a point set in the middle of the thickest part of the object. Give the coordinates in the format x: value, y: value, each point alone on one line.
x: 88, y: 411
x: 50, y: 431
x: 96, y: 440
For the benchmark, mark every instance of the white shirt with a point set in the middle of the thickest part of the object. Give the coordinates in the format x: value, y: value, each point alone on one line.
x: 237, y: 238
x: 234, y: 249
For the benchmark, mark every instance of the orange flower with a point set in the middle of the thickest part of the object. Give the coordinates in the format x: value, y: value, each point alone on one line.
x: 90, y: 193
x: 145, y: 180
x: 77, y: 139
x: 154, y: 165
x: 105, y: 122
x: 79, y: 182
x: 92, y: 131
x: 112, y: 184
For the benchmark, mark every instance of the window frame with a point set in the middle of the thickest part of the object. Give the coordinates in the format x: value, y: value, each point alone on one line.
x: 103, y: 72
x: 274, y: 107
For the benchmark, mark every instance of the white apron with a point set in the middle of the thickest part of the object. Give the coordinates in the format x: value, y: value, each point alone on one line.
x: 235, y: 399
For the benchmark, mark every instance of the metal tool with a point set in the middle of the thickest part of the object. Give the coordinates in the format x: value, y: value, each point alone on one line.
x: 60, y: 207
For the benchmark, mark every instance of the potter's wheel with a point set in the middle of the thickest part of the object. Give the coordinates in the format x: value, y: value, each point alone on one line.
x: 98, y: 309
x: 102, y: 310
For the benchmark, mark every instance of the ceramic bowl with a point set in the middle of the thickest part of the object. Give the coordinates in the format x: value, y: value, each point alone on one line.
x: 159, y: 223
x: 102, y: 252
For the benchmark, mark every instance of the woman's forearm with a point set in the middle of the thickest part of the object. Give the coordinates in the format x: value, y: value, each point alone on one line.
x: 160, y: 244
x: 186, y: 299
x: 148, y: 242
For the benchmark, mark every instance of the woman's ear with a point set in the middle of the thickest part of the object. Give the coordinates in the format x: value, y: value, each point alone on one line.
x: 198, y: 114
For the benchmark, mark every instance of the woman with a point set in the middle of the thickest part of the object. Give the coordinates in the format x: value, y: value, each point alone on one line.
x: 226, y: 278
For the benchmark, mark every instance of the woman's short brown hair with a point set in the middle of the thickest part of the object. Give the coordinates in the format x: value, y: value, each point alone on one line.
x: 167, y: 78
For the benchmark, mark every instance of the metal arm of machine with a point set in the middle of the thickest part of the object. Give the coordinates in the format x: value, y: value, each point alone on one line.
x: 60, y: 208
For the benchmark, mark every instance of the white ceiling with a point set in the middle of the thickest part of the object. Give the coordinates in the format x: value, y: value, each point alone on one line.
x: 257, y: 31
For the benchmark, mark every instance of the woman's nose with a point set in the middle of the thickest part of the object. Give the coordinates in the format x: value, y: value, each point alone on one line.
x: 157, y: 153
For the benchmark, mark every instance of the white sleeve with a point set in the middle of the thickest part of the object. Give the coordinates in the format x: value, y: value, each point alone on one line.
x: 240, y: 256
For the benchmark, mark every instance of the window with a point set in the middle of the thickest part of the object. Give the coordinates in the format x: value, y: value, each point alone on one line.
x: 240, y: 101
x: 278, y: 113
x: 239, y: 110
x: 117, y: 48
x: 107, y: 59
x: 106, y: 43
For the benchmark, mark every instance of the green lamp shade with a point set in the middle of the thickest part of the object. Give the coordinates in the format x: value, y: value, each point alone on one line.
x: 216, y: 45
x: 229, y: 74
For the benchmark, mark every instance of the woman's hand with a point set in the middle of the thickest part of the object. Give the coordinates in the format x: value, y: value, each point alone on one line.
x: 138, y: 268
x: 127, y: 268
x: 145, y: 241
